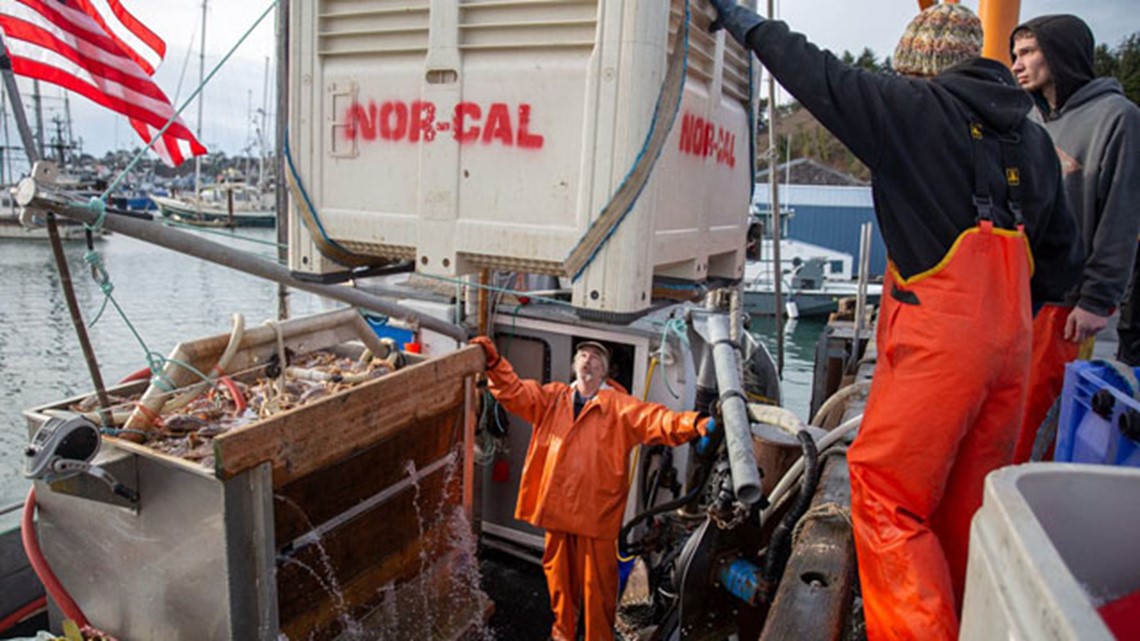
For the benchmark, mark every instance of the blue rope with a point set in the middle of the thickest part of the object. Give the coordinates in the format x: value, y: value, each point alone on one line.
x: 645, y: 148
x: 305, y: 195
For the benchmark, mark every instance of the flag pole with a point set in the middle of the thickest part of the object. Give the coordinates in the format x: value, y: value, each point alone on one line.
x: 30, y: 149
x: 17, y: 105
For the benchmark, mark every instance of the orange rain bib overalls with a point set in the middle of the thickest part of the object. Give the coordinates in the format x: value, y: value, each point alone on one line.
x: 944, y: 410
x: 1051, y: 352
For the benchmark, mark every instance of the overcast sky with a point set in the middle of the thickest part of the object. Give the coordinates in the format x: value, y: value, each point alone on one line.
x: 238, y: 91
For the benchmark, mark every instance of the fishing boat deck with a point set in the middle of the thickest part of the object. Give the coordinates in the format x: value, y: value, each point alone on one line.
x: 518, y: 590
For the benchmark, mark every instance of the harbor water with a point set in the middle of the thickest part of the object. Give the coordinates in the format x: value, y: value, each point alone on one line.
x: 168, y: 298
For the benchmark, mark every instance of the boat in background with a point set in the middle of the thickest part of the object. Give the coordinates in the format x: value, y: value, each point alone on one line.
x: 224, y: 204
x: 815, y: 279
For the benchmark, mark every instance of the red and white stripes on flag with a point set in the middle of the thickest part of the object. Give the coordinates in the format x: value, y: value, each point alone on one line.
x: 99, y: 50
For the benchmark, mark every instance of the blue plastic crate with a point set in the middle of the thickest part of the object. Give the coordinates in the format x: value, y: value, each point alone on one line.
x: 1093, y: 435
x: 380, y: 325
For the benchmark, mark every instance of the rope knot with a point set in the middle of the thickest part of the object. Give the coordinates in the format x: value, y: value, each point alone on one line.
x: 99, y: 206
x: 98, y: 272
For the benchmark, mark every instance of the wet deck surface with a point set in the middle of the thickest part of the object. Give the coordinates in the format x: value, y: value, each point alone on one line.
x: 522, y: 607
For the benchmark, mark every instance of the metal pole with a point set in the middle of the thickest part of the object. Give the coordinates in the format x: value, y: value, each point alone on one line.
x: 773, y: 183
x: 861, y: 292
x: 201, y: 102
x: 77, y: 320
x: 41, y: 197
x: 37, y: 101
x: 56, y: 245
x: 737, y: 426
x: 17, y: 106
x: 484, y: 303
x: 281, y: 117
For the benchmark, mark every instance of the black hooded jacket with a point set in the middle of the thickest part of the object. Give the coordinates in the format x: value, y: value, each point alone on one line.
x: 914, y: 135
x: 1067, y: 44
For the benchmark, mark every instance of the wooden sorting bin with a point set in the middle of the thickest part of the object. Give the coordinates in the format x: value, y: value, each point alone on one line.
x: 352, y: 512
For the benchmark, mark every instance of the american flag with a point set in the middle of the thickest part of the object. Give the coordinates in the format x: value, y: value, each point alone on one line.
x: 97, y: 49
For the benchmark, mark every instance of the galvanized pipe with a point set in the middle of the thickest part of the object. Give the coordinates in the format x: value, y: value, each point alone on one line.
x: 734, y: 411
x: 36, y: 196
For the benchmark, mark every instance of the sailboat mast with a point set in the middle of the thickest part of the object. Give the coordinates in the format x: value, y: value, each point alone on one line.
x: 261, y: 133
x: 201, y: 102
x: 5, y: 151
x: 773, y: 183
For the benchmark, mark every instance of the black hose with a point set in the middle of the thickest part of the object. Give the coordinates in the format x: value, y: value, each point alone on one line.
x: 647, y: 484
x: 697, y: 488
x: 779, y: 546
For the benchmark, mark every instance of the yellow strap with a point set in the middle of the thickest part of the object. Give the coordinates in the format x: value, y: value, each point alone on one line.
x: 1086, y: 349
x: 1010, y: 233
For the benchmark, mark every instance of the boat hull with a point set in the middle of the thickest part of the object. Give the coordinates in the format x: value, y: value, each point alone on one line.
x: 808, y: 304
x: 188, y: 213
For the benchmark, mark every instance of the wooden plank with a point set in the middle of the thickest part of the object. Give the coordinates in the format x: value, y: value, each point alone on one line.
x: 305, y: 439
x: 816, y: 592
x: 347, y: 570
x: 313, y: 499
x: 815, y: 596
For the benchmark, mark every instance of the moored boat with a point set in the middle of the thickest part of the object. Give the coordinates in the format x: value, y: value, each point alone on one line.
x: 226, y: 204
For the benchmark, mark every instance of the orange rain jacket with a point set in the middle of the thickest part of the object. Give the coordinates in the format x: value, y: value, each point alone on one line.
x: 575, y: 476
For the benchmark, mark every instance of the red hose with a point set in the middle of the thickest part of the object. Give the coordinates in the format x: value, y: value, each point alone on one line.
x: 239, y: 399
x: 11, y: 620
x: 36, y: 556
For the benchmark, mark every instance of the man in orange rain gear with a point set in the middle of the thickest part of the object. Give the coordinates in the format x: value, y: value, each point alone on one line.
x: 1096, y: 130
x: 574, y: 482
x: 969, y: 201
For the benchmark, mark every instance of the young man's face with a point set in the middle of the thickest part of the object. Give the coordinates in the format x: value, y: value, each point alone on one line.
x: 1029, y: 66
x: 589, y: 366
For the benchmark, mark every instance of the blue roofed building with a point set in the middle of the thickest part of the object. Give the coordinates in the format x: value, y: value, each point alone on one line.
x: 827, y: 211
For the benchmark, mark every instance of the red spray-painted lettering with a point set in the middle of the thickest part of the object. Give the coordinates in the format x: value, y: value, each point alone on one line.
x: 705, y: 139
x: 417, y: 121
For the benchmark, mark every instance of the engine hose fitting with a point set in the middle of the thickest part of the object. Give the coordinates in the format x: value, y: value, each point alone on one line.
x: 742, y: 580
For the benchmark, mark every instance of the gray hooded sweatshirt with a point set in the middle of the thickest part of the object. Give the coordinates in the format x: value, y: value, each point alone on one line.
x: 1096, y: 130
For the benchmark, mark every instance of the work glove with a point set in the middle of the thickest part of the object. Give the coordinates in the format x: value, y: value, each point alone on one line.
x: 711, y: 437
x: 736, y: 19
x: 489, y: 351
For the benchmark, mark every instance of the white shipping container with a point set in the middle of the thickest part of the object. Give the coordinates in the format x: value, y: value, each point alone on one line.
x: 465, y: 134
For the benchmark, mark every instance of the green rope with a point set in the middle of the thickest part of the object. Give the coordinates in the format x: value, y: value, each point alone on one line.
x: 142, y: 152
x: 116, y: 431
x: 100, y: 207
x: 99, y: 275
